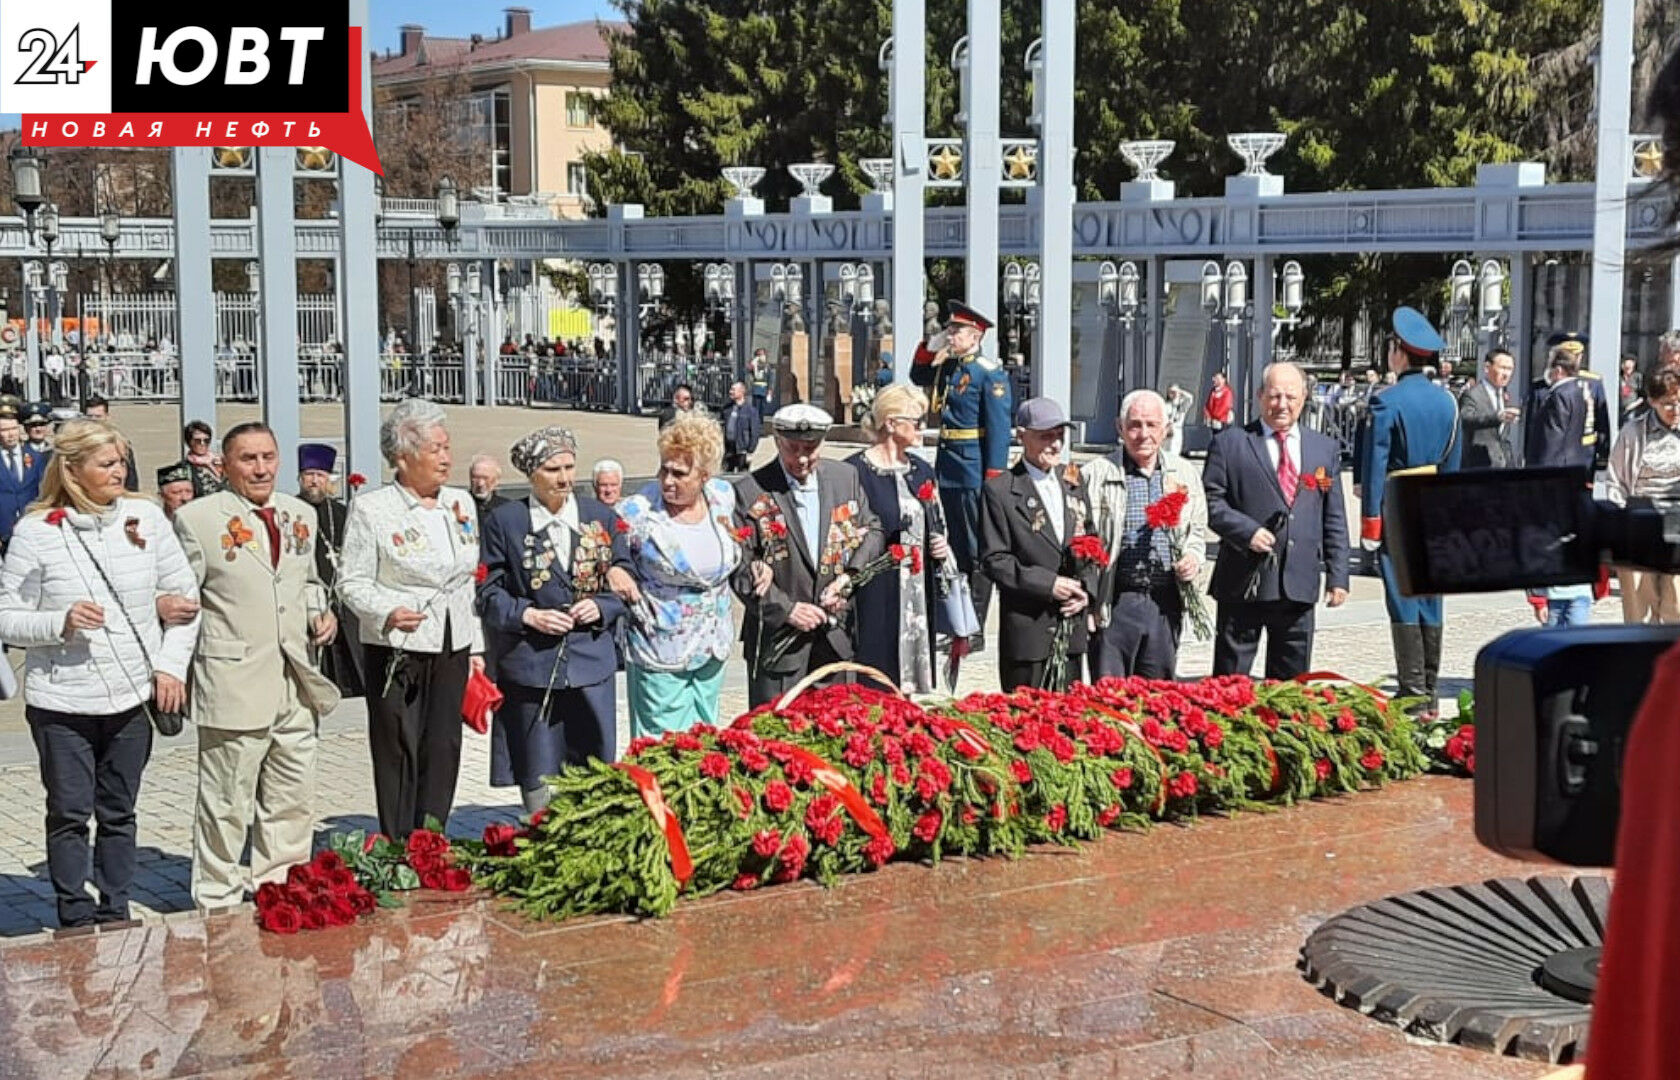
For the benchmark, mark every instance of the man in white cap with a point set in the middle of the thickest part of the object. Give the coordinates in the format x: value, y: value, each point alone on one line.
x: 1029, y: 517
x: 807, y: 520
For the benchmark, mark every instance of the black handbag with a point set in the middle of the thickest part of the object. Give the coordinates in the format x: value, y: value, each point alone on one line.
x: 167, y: 723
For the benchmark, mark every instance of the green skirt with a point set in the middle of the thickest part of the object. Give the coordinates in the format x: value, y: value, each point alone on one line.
x: 662, y: 701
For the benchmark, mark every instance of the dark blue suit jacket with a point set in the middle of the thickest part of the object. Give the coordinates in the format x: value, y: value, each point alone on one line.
x: 1243, y: 492
x: 1557, y: 426
x: 1414, y: 423
x: 15, y: 495
x: 516, y: 653
x: 740, y: 427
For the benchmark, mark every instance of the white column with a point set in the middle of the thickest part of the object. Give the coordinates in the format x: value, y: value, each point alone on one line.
x: 909, y: 116
x: 359, y: 266
x: 1053, y: 358
x: 1615, y: 90
x: 982, y: 161
x: 277, y: 250
x: 195, y: 301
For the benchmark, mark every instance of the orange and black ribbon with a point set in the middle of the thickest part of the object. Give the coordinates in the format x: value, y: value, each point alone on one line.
x: 1331, y: 676
x: 647, y: 785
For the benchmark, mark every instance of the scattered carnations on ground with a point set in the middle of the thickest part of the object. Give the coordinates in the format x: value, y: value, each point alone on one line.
x: 358, y: 873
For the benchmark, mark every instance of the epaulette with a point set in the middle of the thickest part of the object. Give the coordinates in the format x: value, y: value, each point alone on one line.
x: 1584, y: 373
x: 988, y: 365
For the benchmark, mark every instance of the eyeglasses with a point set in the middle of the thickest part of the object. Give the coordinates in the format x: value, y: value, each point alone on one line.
x: 901, y: 419
x: 200, y: 439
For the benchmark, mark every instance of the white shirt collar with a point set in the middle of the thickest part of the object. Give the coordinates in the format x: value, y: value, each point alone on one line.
x: 1036, y: 474
x: 542, y: 519
x: 1290, y: 434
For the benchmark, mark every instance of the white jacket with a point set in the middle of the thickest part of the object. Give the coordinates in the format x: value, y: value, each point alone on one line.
x: 95, y: 672
x: 388, y: 561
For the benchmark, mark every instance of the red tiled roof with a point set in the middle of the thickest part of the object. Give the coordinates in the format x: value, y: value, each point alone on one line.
x: 583, y: 42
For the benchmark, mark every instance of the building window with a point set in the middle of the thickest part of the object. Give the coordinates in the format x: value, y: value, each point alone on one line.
x: 577, y: 179
x: 578, y: 110
x: 485, y: 126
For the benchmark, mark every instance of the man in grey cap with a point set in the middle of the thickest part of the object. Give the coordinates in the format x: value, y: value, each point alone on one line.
x: 1029, y: 517
x: 807, y: 520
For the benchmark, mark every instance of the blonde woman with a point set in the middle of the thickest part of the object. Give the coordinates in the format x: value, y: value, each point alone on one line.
x: 683, y: 552
x: 79, y: 591
x: 894, y: 631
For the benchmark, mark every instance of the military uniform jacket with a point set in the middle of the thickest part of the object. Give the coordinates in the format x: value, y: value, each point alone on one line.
x: 1414, y: 424
x: 1560, y: 430
x: 972, y: 403
x: 765, y: 515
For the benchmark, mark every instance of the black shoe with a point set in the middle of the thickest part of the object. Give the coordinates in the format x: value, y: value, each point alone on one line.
x: 976, y: 644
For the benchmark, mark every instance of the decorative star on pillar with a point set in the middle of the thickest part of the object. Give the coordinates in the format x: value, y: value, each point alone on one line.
x: 1021, y: 163
x: 1648, y: 159
x: 314, y: 158
x: 232, y: 157
x: 946, y: 162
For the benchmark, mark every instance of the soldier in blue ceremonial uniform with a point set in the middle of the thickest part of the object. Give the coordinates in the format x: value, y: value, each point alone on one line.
x: 1413, y: 425
x: 972, y: 403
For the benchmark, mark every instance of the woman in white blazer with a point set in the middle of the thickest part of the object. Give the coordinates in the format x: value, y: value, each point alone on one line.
x: 79, y: 591
x: 407, y: 570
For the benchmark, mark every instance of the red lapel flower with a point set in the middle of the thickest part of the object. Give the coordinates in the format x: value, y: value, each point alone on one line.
x: 56, y: 517
x: 926, y: 492
x: 481, y: 573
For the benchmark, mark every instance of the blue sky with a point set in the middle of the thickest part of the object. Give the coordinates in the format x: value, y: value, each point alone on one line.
x: 462, y: 18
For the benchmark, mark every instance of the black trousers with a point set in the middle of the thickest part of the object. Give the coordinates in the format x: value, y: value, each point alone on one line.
x: 734, y: 462
x: 1141, y: 637
x: 962, y: 521
x: 1288, y: 627
x: 414, y: 736
x: 763, y: 687
x: 91, y: 766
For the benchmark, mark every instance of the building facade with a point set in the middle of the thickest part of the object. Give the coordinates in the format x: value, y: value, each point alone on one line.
x: 528, y: 95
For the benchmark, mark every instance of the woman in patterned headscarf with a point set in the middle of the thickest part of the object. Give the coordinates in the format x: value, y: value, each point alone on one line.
x: 549, y: 619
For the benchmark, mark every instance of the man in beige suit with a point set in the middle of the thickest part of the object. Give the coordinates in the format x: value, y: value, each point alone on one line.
x: 253, y: 694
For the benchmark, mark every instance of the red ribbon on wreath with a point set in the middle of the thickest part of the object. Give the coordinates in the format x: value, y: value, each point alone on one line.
x: 647, y: 786
x: 837, y: 783
x: 1331, y: 676
x: 968, y: 735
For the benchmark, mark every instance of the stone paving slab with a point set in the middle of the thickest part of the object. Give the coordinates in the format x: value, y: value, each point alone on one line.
x: 1352, y: 641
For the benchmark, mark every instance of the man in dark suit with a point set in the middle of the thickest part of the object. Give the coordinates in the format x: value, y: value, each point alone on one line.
x: 682, y: 400
x: 1029, y: 517
x: 1486, y: 413
x: 1275, y: 501
x: 20, y: 471
x: 1561, y: 416
x: 740, y: 430
x: 808, y: 521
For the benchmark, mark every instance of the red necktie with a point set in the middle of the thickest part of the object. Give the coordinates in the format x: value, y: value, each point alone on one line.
x: 1287, y: 476
x: 267, y: 515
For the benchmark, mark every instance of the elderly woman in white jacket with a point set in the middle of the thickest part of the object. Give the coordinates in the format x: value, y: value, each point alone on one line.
x: 80, y: 590
x: 407, y: 570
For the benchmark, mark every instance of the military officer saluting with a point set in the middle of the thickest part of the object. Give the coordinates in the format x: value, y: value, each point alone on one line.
x: 972, y: 403
x: 1413, y: 425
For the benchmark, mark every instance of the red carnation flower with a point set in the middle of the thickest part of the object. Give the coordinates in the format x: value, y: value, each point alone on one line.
x: 1213, y: 737
x: 777, y: 796
x: 1108, y: 816
x: 1089, y: 548
x: 744, y: 797
x: 743, y: 534
x: 1165, y: 512
x: 1121, y: 778
x: 56, y: 517
x: 1023, y: 771
x: 878, y: 789
x: 745, y: 882
x: 498, y: 839
x: 754, y: 760
x: 301, y: 876
x: 1372, y: 759
x: 1345, y: 720
x: 356, y: 480
x: 481, y: 574
x: 777, y: 528
x: 620, y: 525
x: 916, y: 560
x: 714, y: 766
x: 1056, y: 819
x: 280, y: 918
x: 341, y: 911
x: 1322, y: 768
x: 878, y: 850
x: 927, y: 826
x: 313, y: 918
x: 269, y: 893
x: 1182, y: 786
x: 793, y: 853
x: 431, y: 879
x: 539, y: 817
x: 926, y: 492
x: 329, y: 860
x: 897, y: 552
x: 425, y: 841
x: 766, y: 842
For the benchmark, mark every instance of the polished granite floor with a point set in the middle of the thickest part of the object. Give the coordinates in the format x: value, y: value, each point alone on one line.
x: 1167, y: 954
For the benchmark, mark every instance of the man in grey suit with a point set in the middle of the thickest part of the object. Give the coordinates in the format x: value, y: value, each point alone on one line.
x: 807, y: 520
x: 1486, y: 414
